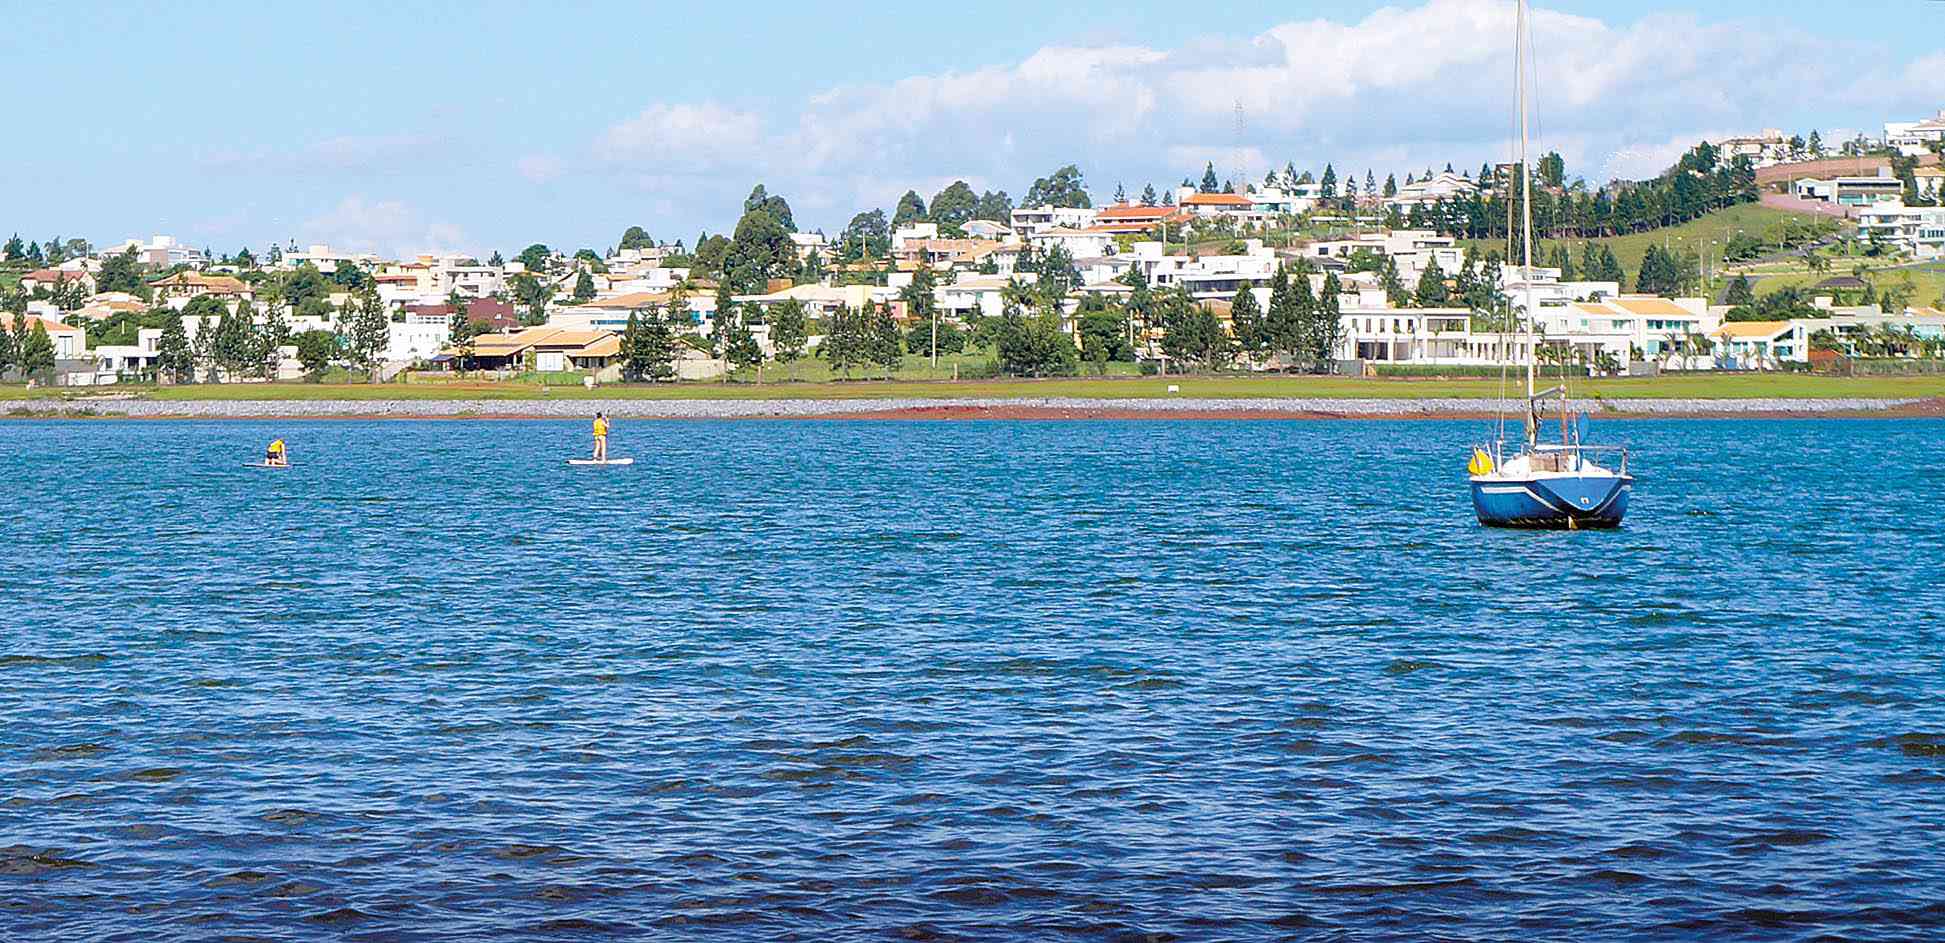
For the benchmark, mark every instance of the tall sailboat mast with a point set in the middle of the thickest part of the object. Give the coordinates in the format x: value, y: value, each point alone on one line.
x: 1526, y: 227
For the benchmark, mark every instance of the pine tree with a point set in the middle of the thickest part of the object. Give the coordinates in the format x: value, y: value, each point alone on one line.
x: 37, y: 351
x: 1611, y: 270
x: 742, y: 349
x: 1120, y: 194
x: 1740, y: 292
x: 1246, y: 322
x: 271, y: 336
x: 172, y: 352
x: 1394, y: 286
x: 789, y: 331
x: 1590, y: 261
x: 1432, y: 291
x: 584, y: 287
x: 1326, y: 327
x: 1148, y: 195
x: 1390, y: 185
x: 1209, y: 182
x: 1327, y: 187
x: 883, y: 339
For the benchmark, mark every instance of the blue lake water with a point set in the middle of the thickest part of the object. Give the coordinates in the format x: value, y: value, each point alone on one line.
x: 963, y: 681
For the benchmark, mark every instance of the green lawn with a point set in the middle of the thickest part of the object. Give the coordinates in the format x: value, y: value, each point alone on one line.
x: 1703, y: 386
x: 1926, y: 283
x: 1717, y: 227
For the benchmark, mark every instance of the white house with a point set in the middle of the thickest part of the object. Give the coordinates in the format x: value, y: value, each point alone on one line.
x: 1761, y: 345
x: 1912, y: 138
x: 1028, y: 220
x: 1851, y: 191
x: 1919, y: 230
x: 1444, y: 185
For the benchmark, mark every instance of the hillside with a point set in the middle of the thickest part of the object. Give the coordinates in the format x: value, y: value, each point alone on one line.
x: 1753, y: 218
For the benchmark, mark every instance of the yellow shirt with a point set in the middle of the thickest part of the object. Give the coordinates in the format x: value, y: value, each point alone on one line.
x: 277, y: 447
x: 601, y: 427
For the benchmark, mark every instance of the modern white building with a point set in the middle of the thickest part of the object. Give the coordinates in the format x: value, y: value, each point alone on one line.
x: 1761, y: 345
x: 1919, y: 230
x: 160, y: 252
x: 1912, y: 138
x: 1444, y: 185
x: 1851, y: 191
x: 1028, y: 220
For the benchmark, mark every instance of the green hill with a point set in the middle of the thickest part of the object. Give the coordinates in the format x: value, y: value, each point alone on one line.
x: 1752, y: 218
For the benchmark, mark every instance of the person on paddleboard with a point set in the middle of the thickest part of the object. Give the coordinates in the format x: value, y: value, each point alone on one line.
x: 600, y: 438
x: 276, y: 455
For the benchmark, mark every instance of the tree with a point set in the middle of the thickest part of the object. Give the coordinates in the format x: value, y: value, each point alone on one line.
x: 1191, y: 333
x: 1064, y: 188
x: 15, y: 251
x: 761, y: 250
x: 536, y: 257
x: 350, y: 276
x: 1246, y: 321
x: 496, y: 260
x: 867, y: 237
x: 911, y: 209
x: 37, y: 351
x: 1552, y: 169
x: 647, y: 347
x: 1034, y: 345
x: 843, y: 343
x: 921, y: 304
x: 635, y: 238
x: 1148, y: 195
x: 1394, y: 286
x: 370, y: 331
x: 882, y: 338
x: 271, y: 335
x: 955, y: 205
x: 1740, y: 292
x: 529, y: 293
x: 994, y: 205
x: 742, y: 349
x: 789, y: 331
x: 776, y: 206
x: 583, y: 287
x: 1209, y: 182
x: 316, y: 349
x: 172, y: 356
x: 1327, y: 187
x: 1390, y: 185
x: 121, y: 272
x: 1325, y: 326
x: 1815, y: 144
x: 1432, y: 291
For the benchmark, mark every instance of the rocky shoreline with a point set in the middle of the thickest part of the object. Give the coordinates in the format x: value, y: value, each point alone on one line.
x: 906, y: 408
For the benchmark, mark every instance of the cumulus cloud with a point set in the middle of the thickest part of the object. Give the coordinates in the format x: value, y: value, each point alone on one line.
x: 389, y: 227
x: 1400, y: 89
x: 683, y: 138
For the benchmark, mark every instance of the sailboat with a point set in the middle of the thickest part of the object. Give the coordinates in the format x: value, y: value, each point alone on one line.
x: 1530, y: 483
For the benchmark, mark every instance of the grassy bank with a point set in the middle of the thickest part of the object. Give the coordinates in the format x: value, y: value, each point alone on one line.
x: 1700, y: 386
x: 1753, y: 218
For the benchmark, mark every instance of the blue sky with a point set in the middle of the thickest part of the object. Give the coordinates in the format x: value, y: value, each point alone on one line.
x: 481, y: 126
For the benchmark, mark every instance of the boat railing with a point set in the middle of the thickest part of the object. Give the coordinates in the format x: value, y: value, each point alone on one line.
x: 1564, y: 457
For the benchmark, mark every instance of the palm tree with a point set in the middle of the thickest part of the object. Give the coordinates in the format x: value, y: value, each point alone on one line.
x: 1816, y: 261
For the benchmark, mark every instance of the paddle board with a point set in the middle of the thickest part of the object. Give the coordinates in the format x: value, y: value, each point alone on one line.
x: 263, y: 465
x: 589, y: 461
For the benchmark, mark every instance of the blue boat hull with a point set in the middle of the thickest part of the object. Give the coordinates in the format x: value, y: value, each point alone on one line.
x: 1552, y: 503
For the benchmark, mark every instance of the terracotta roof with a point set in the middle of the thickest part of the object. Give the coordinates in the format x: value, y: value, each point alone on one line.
x: 1131, y: 212
x: 214, y: 283
x: 53, y: 327
x: 1216, y: 199
x: 630, y: 301
x: 54, y: 275
x: 1651, y: 306
x: 1753, y: 328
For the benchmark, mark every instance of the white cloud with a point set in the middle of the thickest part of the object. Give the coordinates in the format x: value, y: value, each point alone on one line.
x: 683, y: 138
x: 390, y: 227
x: 368, y: 154
x: 1398, y: 90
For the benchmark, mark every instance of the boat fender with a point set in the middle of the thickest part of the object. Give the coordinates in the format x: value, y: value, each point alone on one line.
x: 1481, y: 464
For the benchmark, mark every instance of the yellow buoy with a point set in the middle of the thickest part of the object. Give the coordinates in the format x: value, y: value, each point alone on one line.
x: 1481, y: 464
